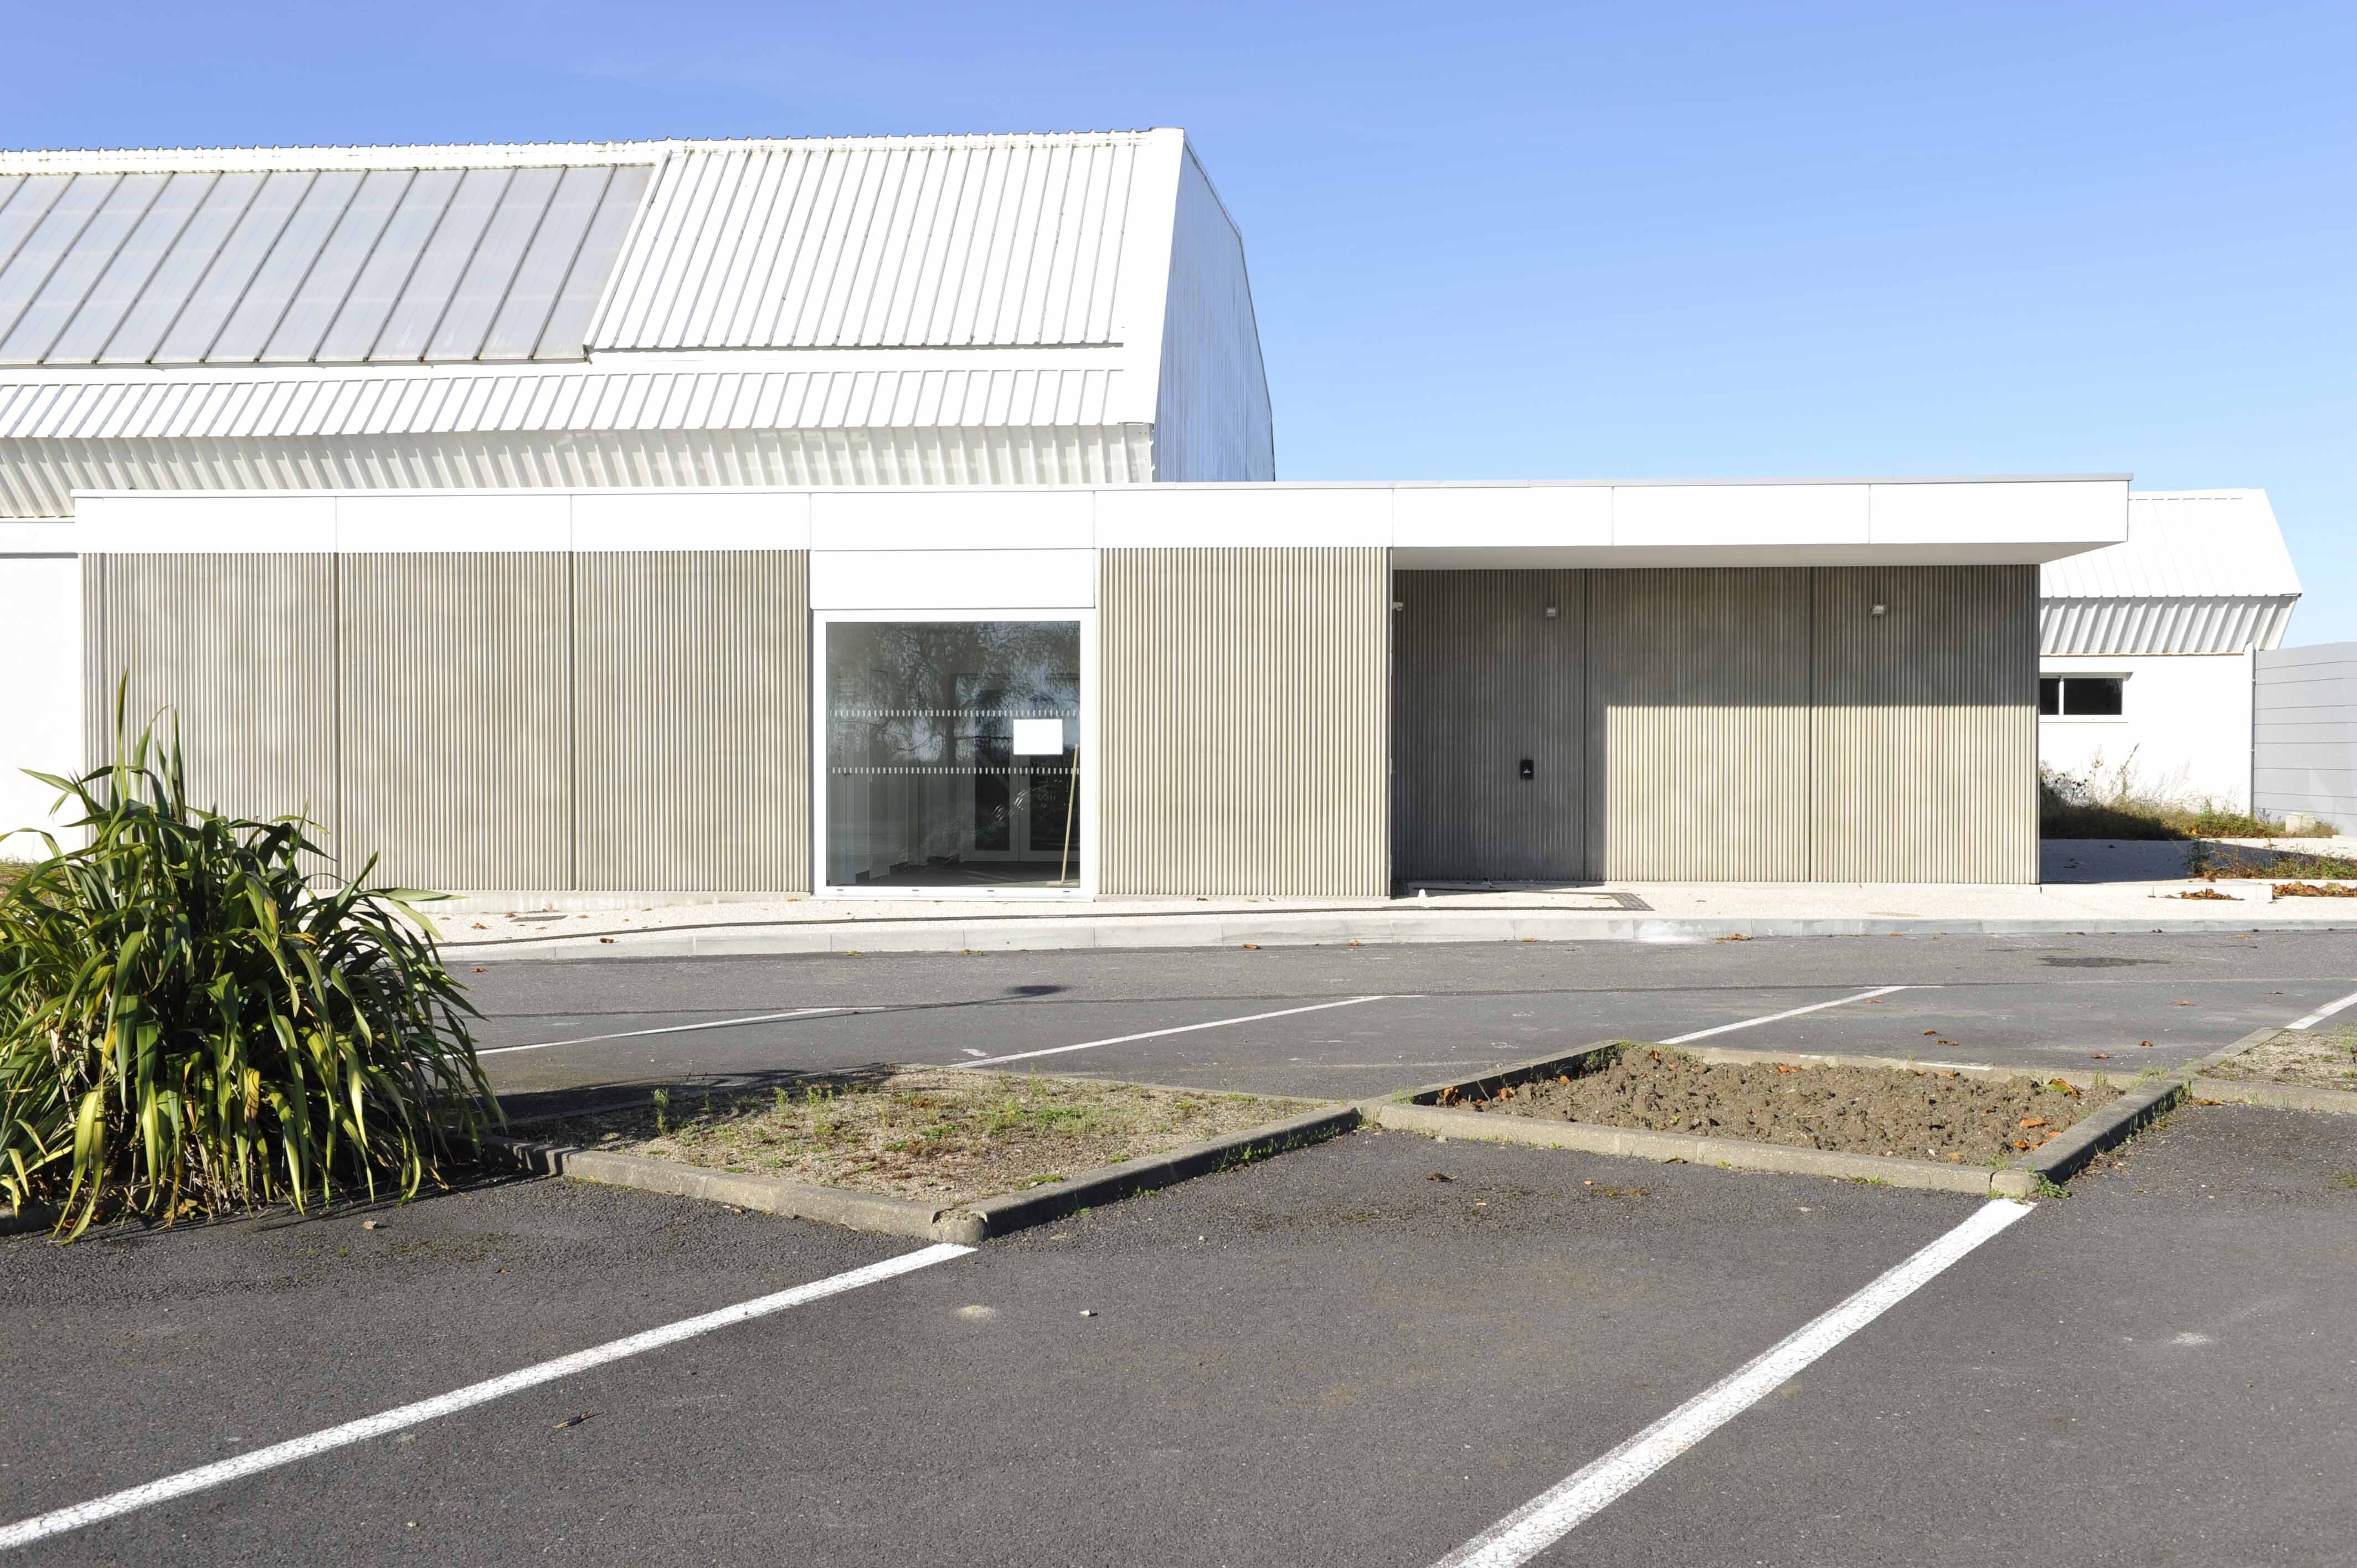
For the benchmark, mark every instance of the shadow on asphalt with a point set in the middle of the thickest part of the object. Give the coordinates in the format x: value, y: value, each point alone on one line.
x: 529, y: 1108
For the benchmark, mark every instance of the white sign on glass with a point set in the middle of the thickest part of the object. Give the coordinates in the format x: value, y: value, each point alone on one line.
x: 1038, y: 737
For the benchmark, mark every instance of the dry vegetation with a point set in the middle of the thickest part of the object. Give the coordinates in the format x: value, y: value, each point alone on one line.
x: 2112, y: 804
x: 926, y: 1133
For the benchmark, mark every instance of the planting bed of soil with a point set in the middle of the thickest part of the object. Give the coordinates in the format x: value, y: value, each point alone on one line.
x: 924, y: 1132
x: 2308, y: 1057
x: 1914, y: 1113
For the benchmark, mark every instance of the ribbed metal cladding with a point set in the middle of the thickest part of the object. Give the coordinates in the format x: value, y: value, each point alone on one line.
x: 38, y: 478
x: 2215, y: 625
x: 691, y: 720
x: 1698, y: 726
x: 242, y: 649
x: 1491, y: 669
x: 1926, y: 724
x: 97, y: 691
x: 1243, y: 723
x: 455, y: 700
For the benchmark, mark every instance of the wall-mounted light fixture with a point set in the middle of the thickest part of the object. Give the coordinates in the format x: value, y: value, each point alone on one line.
x: 1880, y: 608
x: 1552, y: 612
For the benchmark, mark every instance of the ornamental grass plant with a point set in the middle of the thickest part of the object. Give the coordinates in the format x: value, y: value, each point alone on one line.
x: 189, y: 1025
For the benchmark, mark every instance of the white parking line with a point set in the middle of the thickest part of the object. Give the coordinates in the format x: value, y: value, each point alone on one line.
x: 676, y: 1030
x: 41, y: 1526
x: 2321, y: 1014
x: 1793, y: 1013
x: 1157, y: 1034
x: 1555, y: 1512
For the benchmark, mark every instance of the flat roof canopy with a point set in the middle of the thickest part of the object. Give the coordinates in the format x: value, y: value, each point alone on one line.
x: 1776, y: 522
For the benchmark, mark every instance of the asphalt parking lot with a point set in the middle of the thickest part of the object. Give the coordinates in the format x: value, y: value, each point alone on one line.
x: 1437, y: 1011
x: 1329, y: 1357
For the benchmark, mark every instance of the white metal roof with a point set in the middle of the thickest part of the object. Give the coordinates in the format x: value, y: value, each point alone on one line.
x: 981, y: 242
x: 1063, y: 307
x: 2200, y: 572
x: 294, y: 266
x: 2184, y: 544
x: 446, y: 254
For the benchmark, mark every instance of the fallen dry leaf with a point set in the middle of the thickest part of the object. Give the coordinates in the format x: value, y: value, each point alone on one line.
x: 1441, y: 1176
x: 2102, y: 1056
x: 2033, y: 1121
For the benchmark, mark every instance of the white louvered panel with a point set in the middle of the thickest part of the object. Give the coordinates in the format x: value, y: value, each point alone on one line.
x: 2126, y: 625
x: 38, y: 478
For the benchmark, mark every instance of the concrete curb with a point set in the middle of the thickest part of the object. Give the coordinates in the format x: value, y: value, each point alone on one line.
x: 2278, y: 1096
x: 1631, y: 1142
x: 1111, y: 1184
x: 799, y: 1200
x: 967, y: 1223
x: 1067, y: 933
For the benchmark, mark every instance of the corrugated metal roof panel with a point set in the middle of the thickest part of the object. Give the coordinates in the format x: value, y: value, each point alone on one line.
x: 987, y: 241
x: 544, y: 400
x: 2183, y: 544
x: 291, y: 265
x: 2124, y: 626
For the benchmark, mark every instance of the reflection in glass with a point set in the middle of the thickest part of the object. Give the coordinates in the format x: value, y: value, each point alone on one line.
x: 953, y: 752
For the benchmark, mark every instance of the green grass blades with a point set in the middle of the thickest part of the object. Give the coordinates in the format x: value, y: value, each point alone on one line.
x: 187, y: 1025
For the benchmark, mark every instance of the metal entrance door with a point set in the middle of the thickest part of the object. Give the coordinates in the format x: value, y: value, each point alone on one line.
x: 1489, y: 724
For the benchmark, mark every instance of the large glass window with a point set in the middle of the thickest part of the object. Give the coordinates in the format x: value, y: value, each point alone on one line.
x: 953, y: 752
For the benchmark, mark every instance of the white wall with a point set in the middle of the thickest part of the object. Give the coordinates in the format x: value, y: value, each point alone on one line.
x: 1211, y: 417
x: 2184, y: 729
x: 40, y: 687
x: 2305, y: 733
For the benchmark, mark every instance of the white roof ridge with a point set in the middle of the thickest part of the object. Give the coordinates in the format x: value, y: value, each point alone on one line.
x: 491, y: 154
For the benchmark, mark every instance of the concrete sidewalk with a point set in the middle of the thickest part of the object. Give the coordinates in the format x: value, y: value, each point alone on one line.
x: 622, y: 925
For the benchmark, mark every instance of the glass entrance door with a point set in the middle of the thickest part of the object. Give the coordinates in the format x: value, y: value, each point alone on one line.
x: 952, y: 755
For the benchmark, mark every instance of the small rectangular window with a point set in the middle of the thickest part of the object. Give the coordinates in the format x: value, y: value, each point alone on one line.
x: 2093, y: 696
x: 2049, y: 695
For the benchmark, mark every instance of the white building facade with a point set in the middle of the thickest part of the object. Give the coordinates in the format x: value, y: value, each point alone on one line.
x: 899, y: 518
x: 2147, y: 648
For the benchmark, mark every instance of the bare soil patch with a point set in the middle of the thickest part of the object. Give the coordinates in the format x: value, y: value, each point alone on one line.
x: 1914, y: 1113
x: 2308, y: 1057
x: 926, y: 1133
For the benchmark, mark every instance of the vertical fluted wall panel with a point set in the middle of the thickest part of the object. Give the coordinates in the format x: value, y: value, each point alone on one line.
x: 96, y: 686
x: 242, y: 649
x: 1926, y: 724
x: 1490, y: 670
x: 1698, y: 725
x: 691, y: 720
x: 456, y: 699
x: 1244, y: 721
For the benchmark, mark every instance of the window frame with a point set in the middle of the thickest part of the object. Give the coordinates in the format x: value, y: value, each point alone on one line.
x: 1086, y: 889
x: 2062, y: 684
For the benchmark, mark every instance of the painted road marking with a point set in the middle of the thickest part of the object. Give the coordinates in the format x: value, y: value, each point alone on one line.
x: 677, y: 1029
x: 24, y: 1532
x: 1555, y: 1512
x: 1793, y: 1013
x: 1157, y: 1034
x: 2321, y: 1014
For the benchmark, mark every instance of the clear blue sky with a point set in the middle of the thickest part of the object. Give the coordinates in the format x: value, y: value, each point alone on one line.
x: 1554, y: 241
